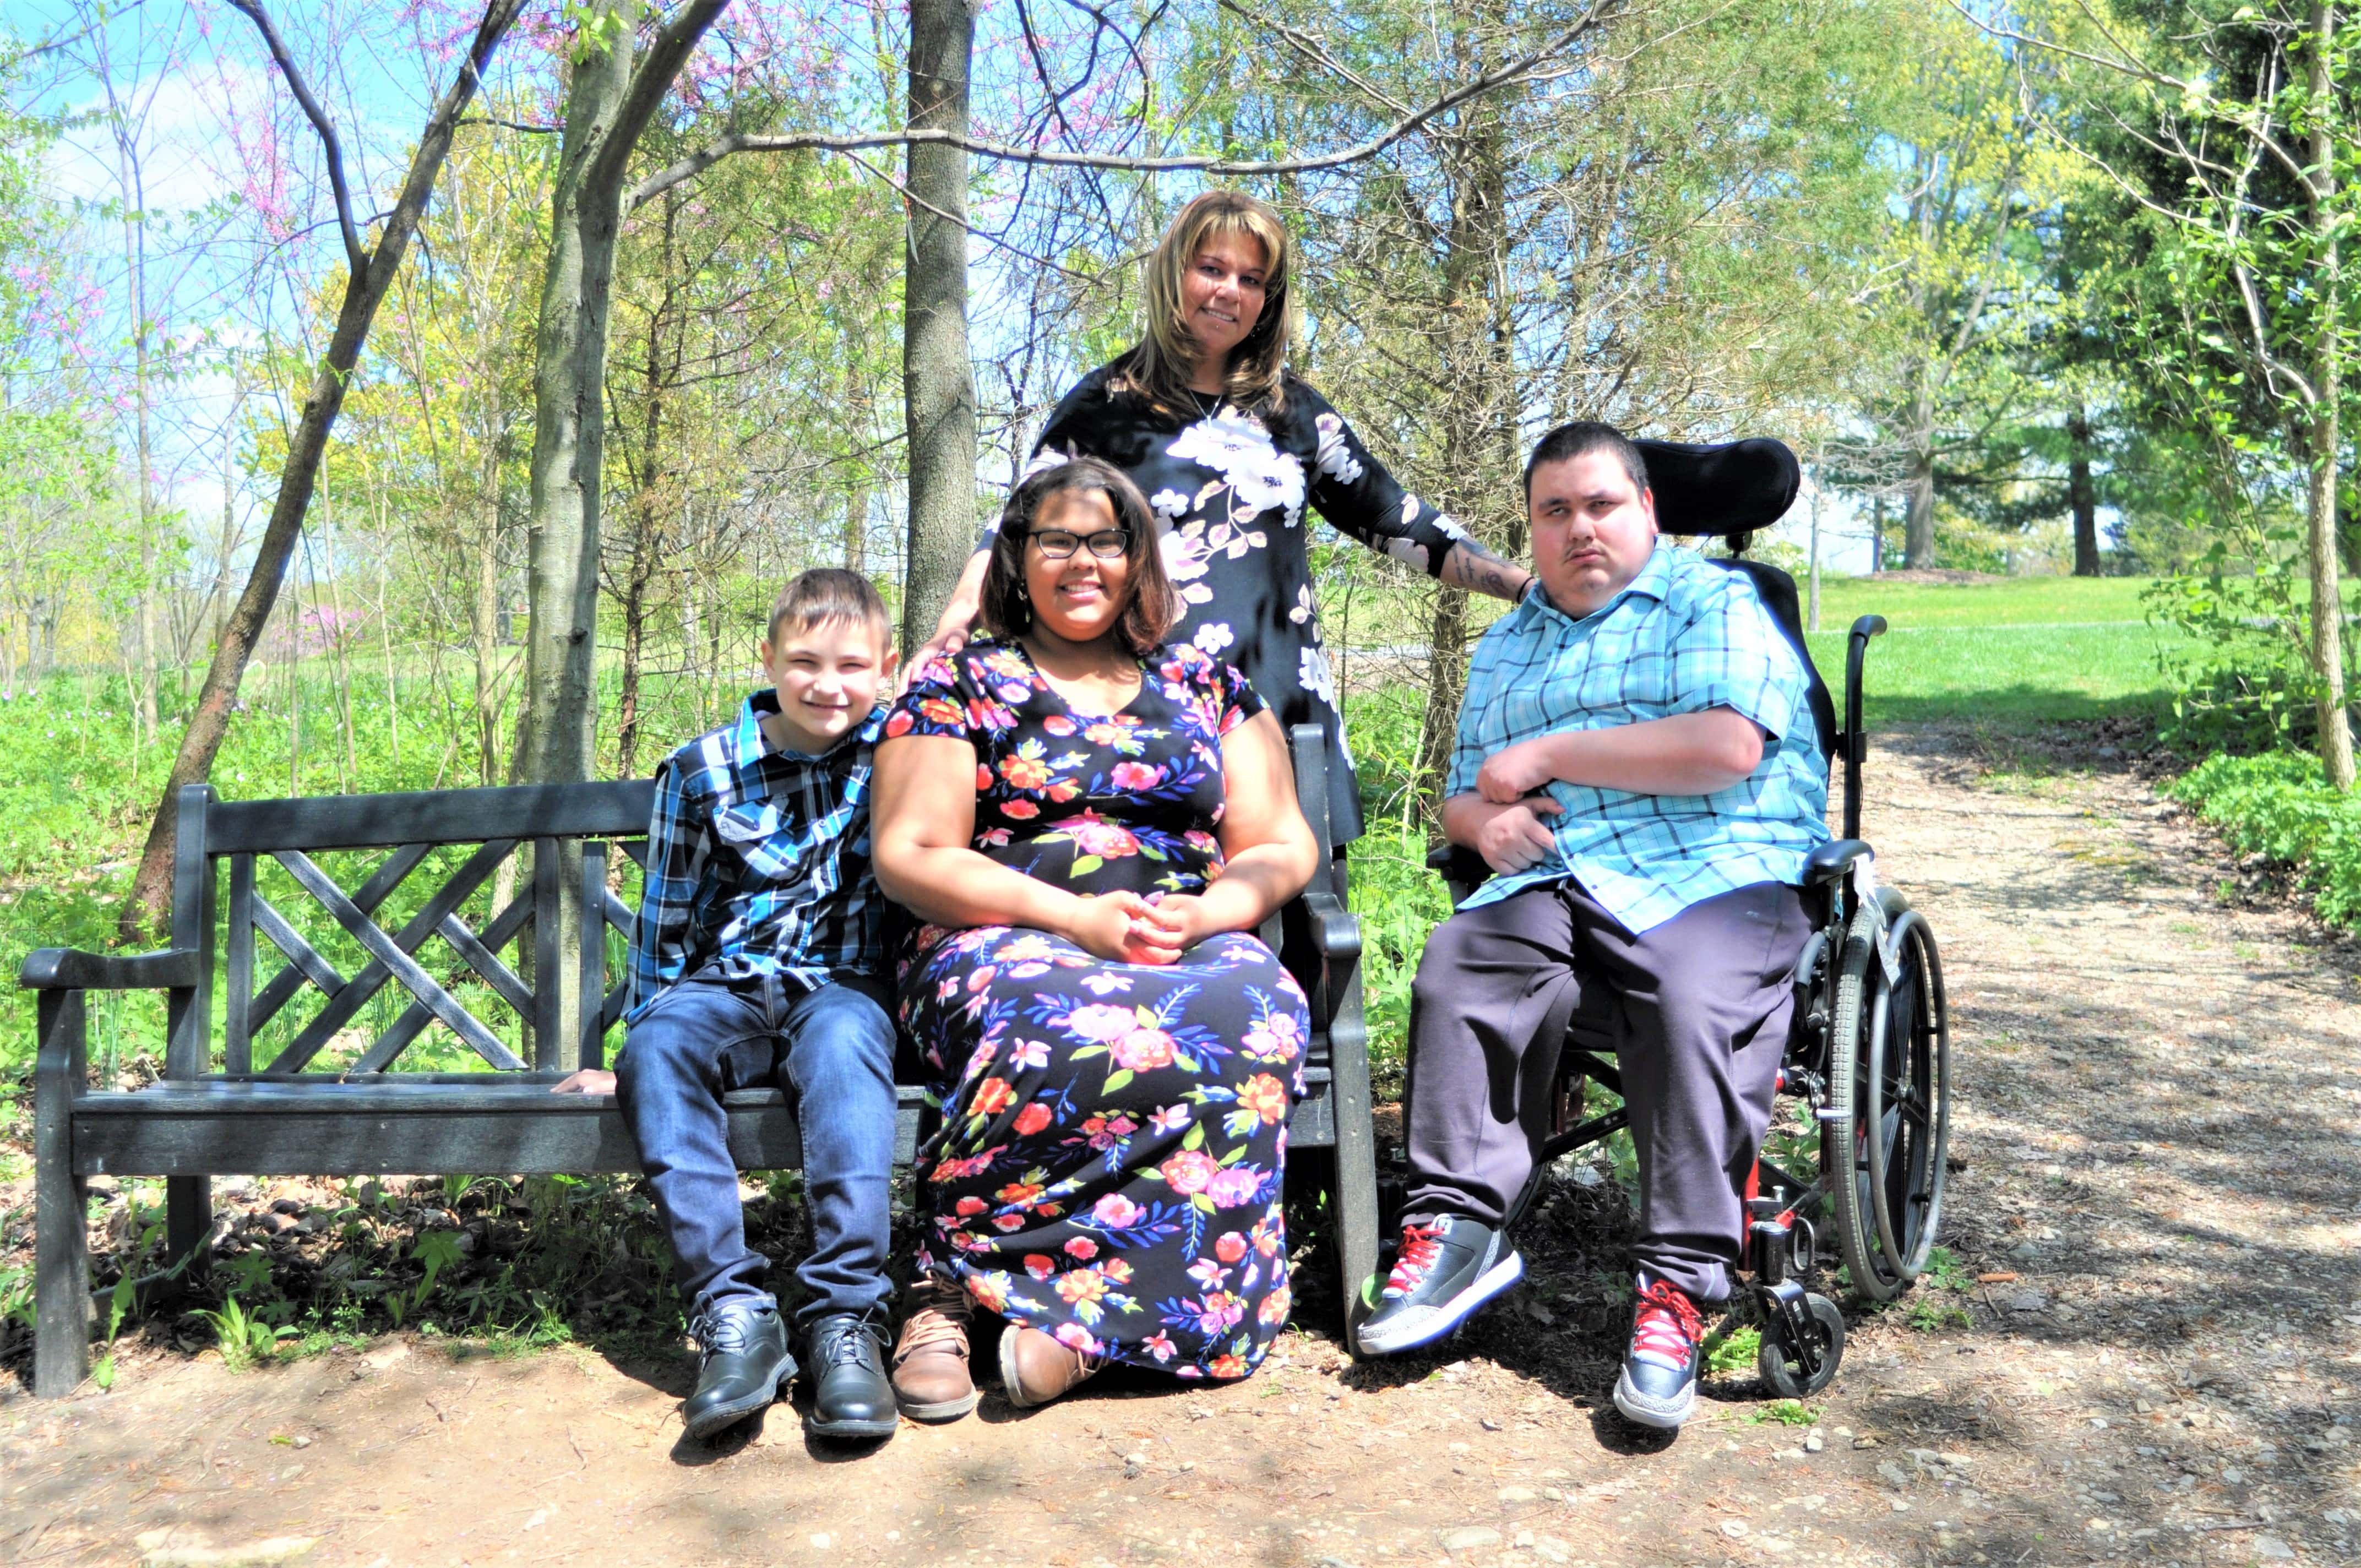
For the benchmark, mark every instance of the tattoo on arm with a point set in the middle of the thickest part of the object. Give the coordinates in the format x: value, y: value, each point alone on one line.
x: 1470, y: 566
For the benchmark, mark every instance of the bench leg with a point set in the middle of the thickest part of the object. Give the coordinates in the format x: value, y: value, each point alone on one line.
x: 1356, y: 1159
x: 188, y: 1216
x: 61, y: 1205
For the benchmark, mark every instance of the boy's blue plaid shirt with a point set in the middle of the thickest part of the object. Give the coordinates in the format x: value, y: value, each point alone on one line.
x: 1685, y: 635
x: 758, y: 862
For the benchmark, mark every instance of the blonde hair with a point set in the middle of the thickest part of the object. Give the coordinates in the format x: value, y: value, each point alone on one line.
x: 1159, y: 366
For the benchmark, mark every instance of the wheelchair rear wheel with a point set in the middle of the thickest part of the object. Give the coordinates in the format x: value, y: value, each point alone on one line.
x: 1906, y: 1095
x: 1887, y: 1124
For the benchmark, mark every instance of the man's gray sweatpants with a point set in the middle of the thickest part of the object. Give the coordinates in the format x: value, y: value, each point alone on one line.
x: 1697, y: 1010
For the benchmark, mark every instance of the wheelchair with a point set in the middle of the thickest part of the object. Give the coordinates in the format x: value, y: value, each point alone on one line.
x: 1851, y: 1172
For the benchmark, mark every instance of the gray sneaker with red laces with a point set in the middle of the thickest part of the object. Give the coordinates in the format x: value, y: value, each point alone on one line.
x: 1443, y: 1272
x: 1658, y: 1388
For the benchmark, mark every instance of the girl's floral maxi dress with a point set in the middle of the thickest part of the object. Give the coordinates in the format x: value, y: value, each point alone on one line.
x: 1114, y: 1136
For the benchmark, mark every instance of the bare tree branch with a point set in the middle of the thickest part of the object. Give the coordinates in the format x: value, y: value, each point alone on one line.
x: 252, y: 10
x: 705, y: 158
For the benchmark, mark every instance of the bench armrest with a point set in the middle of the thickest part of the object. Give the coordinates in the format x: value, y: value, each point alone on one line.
x: 1336, y: 929
x: 71, y: 969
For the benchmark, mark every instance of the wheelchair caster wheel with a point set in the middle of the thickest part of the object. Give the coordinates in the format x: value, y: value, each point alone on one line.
x: 1782, y: 1369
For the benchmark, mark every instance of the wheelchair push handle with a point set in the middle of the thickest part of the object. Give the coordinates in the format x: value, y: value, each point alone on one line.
x: 1853, y: 745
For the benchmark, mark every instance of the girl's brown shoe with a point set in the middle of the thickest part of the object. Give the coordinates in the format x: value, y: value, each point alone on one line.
x: 1036, y: 1369
x: 931, y: 1381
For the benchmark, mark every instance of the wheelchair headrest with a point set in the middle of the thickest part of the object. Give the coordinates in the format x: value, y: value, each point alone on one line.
x: 1733, y: 487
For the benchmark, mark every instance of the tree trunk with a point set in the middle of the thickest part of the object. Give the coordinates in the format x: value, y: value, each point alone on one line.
x: 2083, y: 494
x: 1481, y: 400
x: 134, y: 262
x: 208, y: 722
x: 569, y: 424
x: 609, y: 102
x: 1812, y: 578
x: 2327, y: 599
x: 938, y: 378
x: 1918, y: 523
x: 1877, y: 536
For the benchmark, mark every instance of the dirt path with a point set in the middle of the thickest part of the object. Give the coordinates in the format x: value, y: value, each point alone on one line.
x: 2156, y: 1111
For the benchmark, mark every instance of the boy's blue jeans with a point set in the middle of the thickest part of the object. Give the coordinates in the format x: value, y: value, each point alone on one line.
x: 832, y: 1051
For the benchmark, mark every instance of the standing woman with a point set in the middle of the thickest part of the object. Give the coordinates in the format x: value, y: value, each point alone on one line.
x: 1229, y: 447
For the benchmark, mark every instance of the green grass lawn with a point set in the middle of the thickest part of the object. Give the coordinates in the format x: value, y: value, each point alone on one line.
x: 2014, y: 601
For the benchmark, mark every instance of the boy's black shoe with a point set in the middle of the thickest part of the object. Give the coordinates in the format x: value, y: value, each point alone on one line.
x: 743, y: 1363
x: 850, y: 1394
x: 1443, y: 1272
x: 1658, y: 1388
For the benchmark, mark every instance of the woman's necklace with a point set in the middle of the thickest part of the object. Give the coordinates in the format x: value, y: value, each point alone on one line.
x: 1208, y: 404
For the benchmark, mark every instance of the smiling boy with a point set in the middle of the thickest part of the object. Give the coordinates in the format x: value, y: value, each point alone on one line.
x: 1637, y: 764
x: 758, y: 963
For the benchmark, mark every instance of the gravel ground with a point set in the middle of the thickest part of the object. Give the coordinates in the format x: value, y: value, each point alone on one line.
x: 2156, y: 1098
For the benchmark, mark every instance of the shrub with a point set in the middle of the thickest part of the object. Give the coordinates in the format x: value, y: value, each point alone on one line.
x: 2279, y: 805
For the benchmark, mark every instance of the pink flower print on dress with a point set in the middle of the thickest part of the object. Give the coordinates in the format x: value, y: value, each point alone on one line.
x: 1023, y: 810
x: 1189, y: 1172
x: 1116, y: 1212
x: 1143, y: 1050
x: 1040, y: 1266
x: 1032, y: 1119
x: 1073, y: 1336
x: 1171, y: 1119
x: 1275, y: 1037
x: 1058, y: 724
x: 1094, y: 835
x: 1159, y: 1346
x: 1081, y: 1248
x: 1273, y: 1311
x: 1219, y: 1312
x: 1136, y: 776
x: 1102, y: 1023
x: 1209, y: 1275
x: 1234, y: 1186
x: 1231, y: 1248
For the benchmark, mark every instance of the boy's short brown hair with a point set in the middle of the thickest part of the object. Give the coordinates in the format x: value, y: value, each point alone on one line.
x: 827, y: 594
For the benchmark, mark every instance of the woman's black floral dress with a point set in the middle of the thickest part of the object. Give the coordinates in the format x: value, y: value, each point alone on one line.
x: 1229, y: 486
x: 1115, y: 1136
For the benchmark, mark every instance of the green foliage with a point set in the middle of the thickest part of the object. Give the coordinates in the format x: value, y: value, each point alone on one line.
x: 2280, y: 806
x: 245, y: 1340
x: 1933, y: 1306
x: 1733, y: 1353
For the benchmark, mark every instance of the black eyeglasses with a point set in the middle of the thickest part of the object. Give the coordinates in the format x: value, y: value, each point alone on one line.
x: 1059, y: 545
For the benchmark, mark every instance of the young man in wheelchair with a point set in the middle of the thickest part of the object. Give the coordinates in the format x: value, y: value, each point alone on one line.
x: 1638, y: 763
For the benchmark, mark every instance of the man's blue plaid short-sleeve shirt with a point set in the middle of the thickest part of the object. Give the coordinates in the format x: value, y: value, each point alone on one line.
x: 1684, y: 636
x: 758, y: 862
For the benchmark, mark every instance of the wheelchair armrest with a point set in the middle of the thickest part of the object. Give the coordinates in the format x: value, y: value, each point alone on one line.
x: 1458, y: 864
x: 1833, y: 860
x: 71, y: 969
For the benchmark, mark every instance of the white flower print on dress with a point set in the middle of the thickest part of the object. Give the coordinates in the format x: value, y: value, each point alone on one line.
x: 1335, y: 453
x: 1236, y: 446
x: 1215, y: 636
x: 1301, y: 613
x: 1186, y: 554
x: 1170, y: 504
x: 1311, y: 665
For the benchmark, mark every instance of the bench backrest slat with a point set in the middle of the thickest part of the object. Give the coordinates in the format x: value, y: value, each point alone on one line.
x: 596, y: 818
x: 619, y: 810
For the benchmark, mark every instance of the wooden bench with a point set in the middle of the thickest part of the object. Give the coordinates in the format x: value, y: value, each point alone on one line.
x: 291, y: 1116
